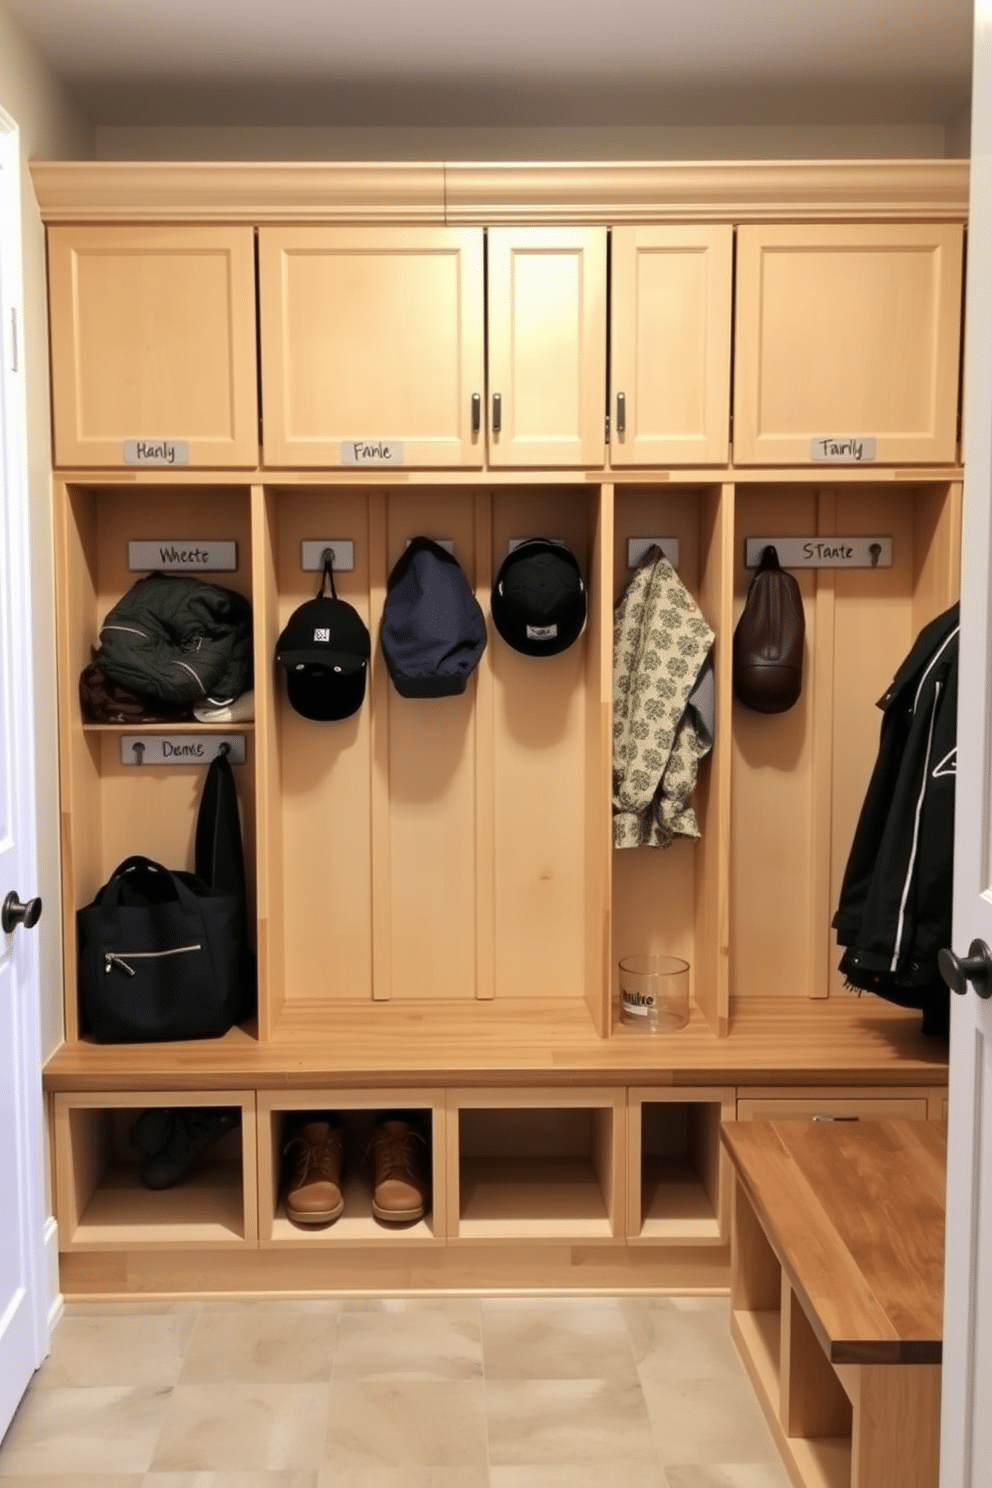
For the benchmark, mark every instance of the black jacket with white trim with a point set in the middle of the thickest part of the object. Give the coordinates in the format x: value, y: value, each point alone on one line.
x: 894, y: 912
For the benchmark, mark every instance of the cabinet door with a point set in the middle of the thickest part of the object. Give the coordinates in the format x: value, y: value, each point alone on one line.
x: 847, y: 337
x: 547, y: 346
x: 153, y: 345
x: 670, y: 316
x: 372, y: 345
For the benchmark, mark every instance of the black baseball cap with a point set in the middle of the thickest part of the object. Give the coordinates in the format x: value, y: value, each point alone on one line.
x: 325, y: 650
x: 433, y: 628
x: 539, y: 599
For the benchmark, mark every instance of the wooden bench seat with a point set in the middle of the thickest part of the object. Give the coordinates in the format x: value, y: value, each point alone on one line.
x: 837, y: 1293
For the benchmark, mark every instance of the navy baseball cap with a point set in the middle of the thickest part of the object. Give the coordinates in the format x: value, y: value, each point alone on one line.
x: 433, y: 628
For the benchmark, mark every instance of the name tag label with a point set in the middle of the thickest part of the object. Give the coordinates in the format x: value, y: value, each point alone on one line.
x: 180, y: 749
x: 182, y: 554
x: 822, y: 552
x: 842, y: 449
x: 156, y: 452
x: 372, y: 452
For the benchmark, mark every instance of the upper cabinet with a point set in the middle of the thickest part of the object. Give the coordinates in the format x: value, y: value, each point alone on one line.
x: 671, y: 292
x: 372, y: 345
x: 153, y: 345
x: 547, y: 346
x: 847, y: 343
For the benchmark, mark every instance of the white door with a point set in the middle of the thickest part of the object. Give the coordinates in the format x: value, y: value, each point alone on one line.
x: 23, y: 1322
x: 966, y: 1425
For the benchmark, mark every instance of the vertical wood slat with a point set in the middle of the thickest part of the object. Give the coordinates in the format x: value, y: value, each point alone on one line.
x: 268, y: 817
x: 381, y: 876
x: 821, y: 781
x: 599, y: 752
x: 485, y: 804
x: 711, y: 979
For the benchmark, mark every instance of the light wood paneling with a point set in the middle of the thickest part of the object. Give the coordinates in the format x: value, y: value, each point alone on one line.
x: 547, y: 339
x: 847, y: 331
x: 678, y: 1179
x: 670, y: 336
x: 153, y: 337
x: 371, y: 334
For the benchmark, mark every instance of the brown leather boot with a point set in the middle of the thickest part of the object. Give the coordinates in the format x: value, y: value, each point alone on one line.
x: 313, y: 1194
x: 401, y: 1163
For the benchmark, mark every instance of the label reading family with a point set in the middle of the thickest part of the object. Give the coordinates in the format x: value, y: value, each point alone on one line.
x: 842, y: 449
x: 156, y: 452
x: 371, y: 452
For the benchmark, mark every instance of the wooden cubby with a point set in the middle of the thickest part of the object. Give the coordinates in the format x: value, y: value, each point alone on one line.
x: 437, y: 905
x: 102, y: 1203
x: 357, y: 1110
x: 678, y: 1183
x: 536, y: 1164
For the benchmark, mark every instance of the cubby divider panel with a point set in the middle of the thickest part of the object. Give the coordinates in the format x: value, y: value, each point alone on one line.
x: 678, y: 1183
x: 536, y: 1164
x: 103, y: 1203
x: 281, y: 1114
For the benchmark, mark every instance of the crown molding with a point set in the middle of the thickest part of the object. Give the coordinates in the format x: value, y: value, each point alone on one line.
x: 568, y: 192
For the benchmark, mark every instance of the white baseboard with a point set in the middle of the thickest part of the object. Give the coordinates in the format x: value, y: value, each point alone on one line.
x: 55, y: 1299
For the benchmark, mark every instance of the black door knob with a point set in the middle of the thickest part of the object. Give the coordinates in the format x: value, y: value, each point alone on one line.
x: 14, y: 913
x: 975, y: 968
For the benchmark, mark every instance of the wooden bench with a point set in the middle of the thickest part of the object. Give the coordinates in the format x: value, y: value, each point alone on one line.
x: 837, y: 1293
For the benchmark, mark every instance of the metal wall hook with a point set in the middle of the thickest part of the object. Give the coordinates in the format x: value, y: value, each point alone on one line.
x: 139, y: 752
x: 224, y: 748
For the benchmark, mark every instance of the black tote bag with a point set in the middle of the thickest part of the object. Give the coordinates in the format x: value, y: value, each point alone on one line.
x: 160, y: 957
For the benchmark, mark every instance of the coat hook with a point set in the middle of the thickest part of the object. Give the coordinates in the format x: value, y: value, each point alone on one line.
x: 223, y: 747
x: 874, y: 552
x: 139, y: 751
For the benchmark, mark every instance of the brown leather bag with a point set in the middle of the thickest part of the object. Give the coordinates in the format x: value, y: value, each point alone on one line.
x: 768, y: 641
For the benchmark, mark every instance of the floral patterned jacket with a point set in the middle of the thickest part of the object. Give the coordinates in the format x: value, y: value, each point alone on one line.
x: 660, y: 646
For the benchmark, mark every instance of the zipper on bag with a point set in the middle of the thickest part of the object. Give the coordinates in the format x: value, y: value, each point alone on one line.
x: 121, y: 958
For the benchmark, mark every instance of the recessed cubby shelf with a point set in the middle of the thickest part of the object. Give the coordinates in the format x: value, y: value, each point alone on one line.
x: 535, y: 1164
x: 103, y: 1204
x: 281, y: 1115
x: 678, y: 1179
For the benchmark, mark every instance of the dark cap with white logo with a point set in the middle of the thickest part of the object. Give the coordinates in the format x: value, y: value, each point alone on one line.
x: 325, y: 650
x: 538, y: 601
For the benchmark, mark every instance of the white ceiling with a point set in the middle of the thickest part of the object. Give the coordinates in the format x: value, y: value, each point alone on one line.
x: 479, y: 62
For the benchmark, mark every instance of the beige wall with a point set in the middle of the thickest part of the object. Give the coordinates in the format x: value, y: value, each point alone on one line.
x: 50, y: 126
x: 700, y: 142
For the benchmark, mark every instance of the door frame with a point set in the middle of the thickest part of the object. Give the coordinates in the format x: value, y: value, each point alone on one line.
x: 45, y: 1302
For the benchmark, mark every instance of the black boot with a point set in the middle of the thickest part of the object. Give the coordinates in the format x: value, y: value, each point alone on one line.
x: 194, y: 1129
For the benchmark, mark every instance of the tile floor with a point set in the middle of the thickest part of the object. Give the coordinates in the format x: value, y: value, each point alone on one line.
x: 426, y: 1393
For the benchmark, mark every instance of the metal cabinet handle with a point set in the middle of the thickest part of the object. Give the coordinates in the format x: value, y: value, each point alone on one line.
x: 621, y: 413
x: 497, y: 413
x: 476, y: 412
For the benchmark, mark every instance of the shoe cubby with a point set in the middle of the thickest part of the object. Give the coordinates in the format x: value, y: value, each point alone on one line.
x: 798, y: 778
x: 103, y: 1203
x: 112, y: 809
x: 536, y: 1164
x: 678, y: 1183
x: 279, y: 1117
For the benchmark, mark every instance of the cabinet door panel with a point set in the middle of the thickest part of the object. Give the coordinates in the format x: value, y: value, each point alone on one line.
x: 844, y: 332
x: 371, y: 335
x: 670, y: 319
x: 153, y: 338
x: 547, y: 345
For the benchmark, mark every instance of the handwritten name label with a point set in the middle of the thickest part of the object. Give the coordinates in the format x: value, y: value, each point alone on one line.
x: 822, y: 552
x: 183, y: 553
x: 180, y: 749
x: 842, y: 449
x: 372, y: 452
x: 156, y: 452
